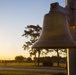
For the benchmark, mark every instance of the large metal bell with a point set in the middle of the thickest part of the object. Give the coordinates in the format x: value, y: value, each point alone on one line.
x: 55, y: 33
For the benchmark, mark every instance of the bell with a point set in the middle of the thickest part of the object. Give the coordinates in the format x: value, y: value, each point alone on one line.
x: 55, y: 32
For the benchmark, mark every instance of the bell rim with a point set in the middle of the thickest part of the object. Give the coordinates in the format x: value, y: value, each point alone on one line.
x: 55, y: 47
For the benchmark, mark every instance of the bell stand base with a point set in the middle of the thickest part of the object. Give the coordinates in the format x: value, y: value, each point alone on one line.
x: 71, y: 61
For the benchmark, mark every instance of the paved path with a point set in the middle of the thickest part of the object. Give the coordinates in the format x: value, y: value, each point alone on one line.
x: 32, y: 70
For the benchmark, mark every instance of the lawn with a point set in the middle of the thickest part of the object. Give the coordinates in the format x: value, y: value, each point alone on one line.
x: 27, y: 65
x: 21, y: 73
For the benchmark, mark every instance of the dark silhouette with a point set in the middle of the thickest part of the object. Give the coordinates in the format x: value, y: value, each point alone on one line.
x: 19, y: 59
x: 59, y: 51
x: 32, y: 32
x: 29, y: 59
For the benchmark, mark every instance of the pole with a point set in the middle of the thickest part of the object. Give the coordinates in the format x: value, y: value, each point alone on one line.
x: 71, y: 53
x: 72, y: 62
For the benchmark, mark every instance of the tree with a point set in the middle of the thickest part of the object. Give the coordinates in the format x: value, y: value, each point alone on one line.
x: 64, y: 52
x: 32, y: 32
x: 19, y: 58
x: 59, y: 51
x: 29, y: 59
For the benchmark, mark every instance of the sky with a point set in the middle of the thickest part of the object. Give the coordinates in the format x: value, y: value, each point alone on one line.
x: 15, y: 15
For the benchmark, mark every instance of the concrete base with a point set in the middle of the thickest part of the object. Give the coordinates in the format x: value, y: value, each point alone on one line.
x: 71, y: 59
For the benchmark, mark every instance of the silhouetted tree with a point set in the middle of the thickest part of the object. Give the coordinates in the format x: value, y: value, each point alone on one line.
x: 29, y: 59
x: 32, y: 32
x: 19, y: 59
x: 64, y: 52
x: 59, y: 51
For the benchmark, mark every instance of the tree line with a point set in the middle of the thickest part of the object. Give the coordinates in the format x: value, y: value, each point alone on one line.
x: 53, y: 59
x: 21, y: 59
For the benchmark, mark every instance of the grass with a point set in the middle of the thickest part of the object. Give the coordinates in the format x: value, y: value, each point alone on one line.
x: 32, y: 65
x: 21, y: 73
x: 27, y: 65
